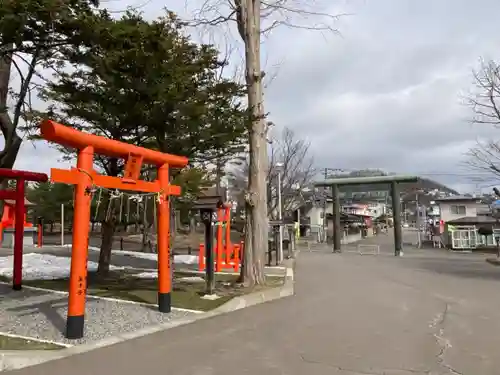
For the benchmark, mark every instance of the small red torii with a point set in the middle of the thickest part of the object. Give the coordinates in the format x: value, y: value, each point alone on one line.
x: 18, y: 194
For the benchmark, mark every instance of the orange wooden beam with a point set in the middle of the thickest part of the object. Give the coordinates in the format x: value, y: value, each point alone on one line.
x: 69, y: 137
x: 73, y: 176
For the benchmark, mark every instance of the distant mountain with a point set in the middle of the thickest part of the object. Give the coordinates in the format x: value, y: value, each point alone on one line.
x: 428, y: 186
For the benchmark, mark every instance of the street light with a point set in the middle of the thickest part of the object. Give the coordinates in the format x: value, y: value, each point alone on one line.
x: 279, y: 167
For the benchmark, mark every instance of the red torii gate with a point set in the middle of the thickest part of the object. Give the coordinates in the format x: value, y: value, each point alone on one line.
x: 18, y: 194
x: 84, y: 177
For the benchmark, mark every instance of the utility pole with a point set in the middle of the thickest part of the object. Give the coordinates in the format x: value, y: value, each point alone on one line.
x: 280, y: 218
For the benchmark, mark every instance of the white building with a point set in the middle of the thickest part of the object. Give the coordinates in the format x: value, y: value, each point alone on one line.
x: 314, y: 213
x: 458, y: 206
x: 463, y: 216
x: 373, y: 210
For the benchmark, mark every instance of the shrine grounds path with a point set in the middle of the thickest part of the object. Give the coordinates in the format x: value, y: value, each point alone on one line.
x: 428, y: 312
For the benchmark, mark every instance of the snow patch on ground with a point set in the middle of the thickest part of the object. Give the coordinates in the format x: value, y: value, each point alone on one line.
x: 154, y: 275
x: 43, y: 266
x: 147, y: 275
x: 178, y: 259
x: 192, y: 279
x: 211, y: 297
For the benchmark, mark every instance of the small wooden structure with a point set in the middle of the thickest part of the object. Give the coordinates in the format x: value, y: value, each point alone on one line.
x: 208, y: 202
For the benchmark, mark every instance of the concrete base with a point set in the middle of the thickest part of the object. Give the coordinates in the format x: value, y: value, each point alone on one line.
x: 29, y: 239
x: 15, y: 359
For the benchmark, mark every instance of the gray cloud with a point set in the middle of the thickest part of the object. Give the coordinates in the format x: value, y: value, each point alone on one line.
x: 385, y: 94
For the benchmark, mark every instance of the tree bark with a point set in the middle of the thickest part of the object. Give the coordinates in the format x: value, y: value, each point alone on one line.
x: 108, y: 231
x: 108, y: 227
x: 256, y: 226
x: 12, y: 142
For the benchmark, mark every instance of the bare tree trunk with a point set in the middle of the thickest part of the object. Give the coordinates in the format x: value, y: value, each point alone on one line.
x: 108, y: 231
x: 12, y: 142
x: 256, y: 228
x: 145, y: 225
x: 108, y: 227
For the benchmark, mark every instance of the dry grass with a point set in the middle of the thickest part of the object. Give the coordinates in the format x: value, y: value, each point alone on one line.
x: 187, y: 295
x: 17, y: 343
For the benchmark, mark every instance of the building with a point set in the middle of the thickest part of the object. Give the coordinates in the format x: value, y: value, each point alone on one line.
x: 462, y: 217
x: 458, y: 207
x: 316, y: 216
x: 369, y: 209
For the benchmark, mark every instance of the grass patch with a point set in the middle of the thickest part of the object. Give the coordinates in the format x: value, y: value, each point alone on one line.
x: 17, y: 343
x: 188, y: 295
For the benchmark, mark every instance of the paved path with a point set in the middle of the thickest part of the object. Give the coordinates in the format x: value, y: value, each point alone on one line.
x: 429, y: 312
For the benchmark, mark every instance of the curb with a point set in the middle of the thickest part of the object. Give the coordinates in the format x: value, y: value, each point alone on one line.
x: 16, y: 359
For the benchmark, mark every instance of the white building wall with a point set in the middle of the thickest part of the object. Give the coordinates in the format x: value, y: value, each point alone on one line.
x: 447, y: 215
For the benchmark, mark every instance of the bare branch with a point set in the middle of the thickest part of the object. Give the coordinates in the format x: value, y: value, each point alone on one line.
x: 291, y: 158
x: 224, y: 18
x: 485, y: 104
x: 485, y: 100
x: 25, y: 88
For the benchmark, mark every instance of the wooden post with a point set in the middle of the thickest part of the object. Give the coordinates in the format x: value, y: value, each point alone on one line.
x: 206, y: 217
x: 164, y: 276
x: 78, y: 274
x: 336, y: 219
x: 396, y: 217
x: 17, y: 277
x: 62, y: 224
x: 40, y: 231
x: 219, y: 248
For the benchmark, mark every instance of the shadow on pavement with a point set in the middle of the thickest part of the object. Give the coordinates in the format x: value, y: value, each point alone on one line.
x: 461, y: 267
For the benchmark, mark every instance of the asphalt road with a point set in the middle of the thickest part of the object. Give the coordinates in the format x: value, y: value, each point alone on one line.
x: 428, y: 312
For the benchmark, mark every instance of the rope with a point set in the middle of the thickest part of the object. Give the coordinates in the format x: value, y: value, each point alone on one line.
x: 115, y: 193
x: 97, y: 205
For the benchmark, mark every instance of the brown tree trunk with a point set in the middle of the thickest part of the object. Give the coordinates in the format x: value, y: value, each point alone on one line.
x: 256, y: 226
x: 12, y: 142
x: 108, y: 227
x: 108, y: 231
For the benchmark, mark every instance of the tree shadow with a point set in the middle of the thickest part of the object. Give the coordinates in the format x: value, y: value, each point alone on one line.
x: 46, y: 308
x: 8, y: 294
x: 464, y: 268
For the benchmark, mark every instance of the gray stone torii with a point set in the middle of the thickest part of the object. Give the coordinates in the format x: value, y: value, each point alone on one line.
x: 394, y: 181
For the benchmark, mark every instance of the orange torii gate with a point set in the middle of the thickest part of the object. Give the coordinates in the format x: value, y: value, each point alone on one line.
x: 84, y: 177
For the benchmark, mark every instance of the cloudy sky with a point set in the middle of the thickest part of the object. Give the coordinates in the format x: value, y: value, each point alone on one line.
x: 385, y: 93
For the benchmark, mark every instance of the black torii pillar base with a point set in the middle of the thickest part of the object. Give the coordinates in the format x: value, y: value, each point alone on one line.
x: 396, y: 217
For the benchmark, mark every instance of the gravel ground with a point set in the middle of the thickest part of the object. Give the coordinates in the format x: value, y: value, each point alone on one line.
x: 42, y: 315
